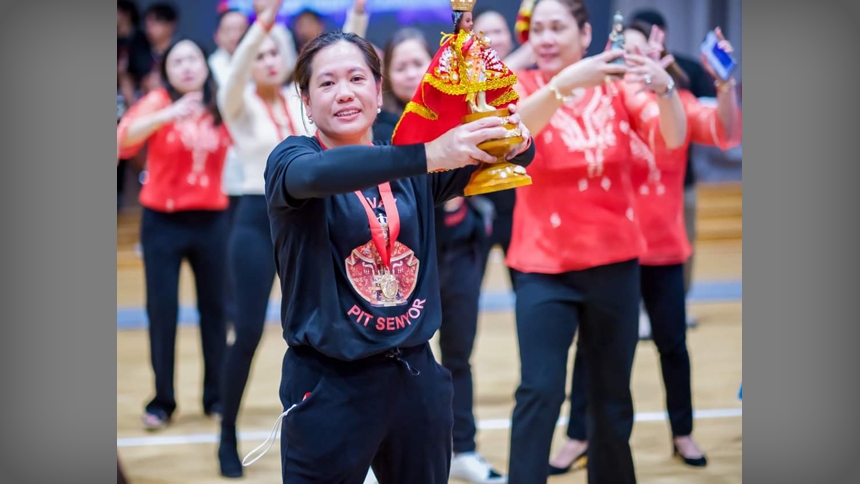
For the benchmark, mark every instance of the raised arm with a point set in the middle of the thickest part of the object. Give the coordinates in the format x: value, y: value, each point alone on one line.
x: 297, y: 171
x: 706, y: 123
x: 728, y: 110
x: 357, y: 19
x: 727, y: 97
x: 537, y: 109
x: 287, y: 46
x: 672, y: 118
x: 231, y: 95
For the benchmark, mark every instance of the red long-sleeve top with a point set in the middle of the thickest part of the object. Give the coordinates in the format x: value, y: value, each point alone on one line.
x: 579, y: 211
x: 184, y: 159
x: 657, y: 174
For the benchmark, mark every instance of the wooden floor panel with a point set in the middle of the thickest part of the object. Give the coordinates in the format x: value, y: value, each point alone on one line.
x: 715, y: 346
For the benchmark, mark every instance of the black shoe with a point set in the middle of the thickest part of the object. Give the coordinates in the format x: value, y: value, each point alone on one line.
x: 579, y: 463
x: 155, y: 420
x: 697, y: 462
x: 228, y: 455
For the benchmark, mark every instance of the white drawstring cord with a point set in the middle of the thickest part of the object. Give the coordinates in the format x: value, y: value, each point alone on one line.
x: 271, y: 437
x: 395, y: 353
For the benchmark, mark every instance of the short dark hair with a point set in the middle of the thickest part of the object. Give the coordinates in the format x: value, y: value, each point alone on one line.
x: 309, y: 11
x: 649, y: 16
x: 163, y: 12
x: 304, y: 71
x: 129, y: 8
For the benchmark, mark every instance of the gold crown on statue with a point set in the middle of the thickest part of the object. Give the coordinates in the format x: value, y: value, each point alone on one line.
x: 463, y: 5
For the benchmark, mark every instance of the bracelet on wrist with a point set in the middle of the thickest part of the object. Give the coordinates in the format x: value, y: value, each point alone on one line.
x: 557, y: 94
x: 670, y: 89
x: 267, y: 26
x: 725, y: 86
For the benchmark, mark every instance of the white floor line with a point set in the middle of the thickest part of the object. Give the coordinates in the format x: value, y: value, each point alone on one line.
x: 492, y: 424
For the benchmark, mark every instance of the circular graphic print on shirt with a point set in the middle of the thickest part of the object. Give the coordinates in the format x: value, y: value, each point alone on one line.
x: 376, y: 284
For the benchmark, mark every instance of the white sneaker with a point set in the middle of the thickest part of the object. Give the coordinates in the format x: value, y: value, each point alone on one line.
x: 471, y: 467
x: 371, y: 477
x: 692, y: 321
x: 644, y: 325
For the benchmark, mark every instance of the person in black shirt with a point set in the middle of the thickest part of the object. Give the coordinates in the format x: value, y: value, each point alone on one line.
x: 133, y: 61
x: 355, y: 248
x: 160, y: 23
x: 132, y: 52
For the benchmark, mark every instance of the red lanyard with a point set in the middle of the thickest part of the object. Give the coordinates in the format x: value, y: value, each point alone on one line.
x: 275, y: 121
x: 376, y: 228
x: 376, y: 232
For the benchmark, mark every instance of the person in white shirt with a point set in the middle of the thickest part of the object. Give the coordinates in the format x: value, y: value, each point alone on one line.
x: 232, y: 26
x: 260, y: 109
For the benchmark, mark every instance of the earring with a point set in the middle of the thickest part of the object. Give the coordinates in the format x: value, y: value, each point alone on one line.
x: 310, y: 120
x: 378, y: 110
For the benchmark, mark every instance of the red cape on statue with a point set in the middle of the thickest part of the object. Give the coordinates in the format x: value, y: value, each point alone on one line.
x: 441, y: 101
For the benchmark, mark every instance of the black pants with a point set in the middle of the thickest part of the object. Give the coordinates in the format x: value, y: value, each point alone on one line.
x: 603, y: 302
x: 374, y: 412
x: 460, y: 281
x: 663, y: 294
x: 252, y: 271
x: 121, y: 167
x: 231, y: 311
x: 167, y: 239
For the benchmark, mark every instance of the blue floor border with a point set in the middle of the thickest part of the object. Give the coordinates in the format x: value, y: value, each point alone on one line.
x: 493, y: 301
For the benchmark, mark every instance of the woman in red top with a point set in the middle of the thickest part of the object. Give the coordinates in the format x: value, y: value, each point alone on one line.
x: 657, y: 175
x: 184, y: 216
x: 575, y: 237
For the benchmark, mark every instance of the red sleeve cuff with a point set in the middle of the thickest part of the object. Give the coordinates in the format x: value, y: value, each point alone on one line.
x: 266, y: 26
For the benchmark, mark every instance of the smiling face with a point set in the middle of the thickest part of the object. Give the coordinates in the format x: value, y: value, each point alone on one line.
x: 343, y: 95
x: 556, y: 37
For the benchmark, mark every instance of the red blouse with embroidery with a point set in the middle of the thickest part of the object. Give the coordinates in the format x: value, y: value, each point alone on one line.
x: 658, y: 173
x: 185, y: 159
x: 579, y: 211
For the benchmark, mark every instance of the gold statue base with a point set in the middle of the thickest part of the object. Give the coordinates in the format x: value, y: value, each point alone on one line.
x: 502, y: 175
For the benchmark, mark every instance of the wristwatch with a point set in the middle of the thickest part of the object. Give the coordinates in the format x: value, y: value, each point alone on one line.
x: 670, y: 88
x: 725, y: 86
